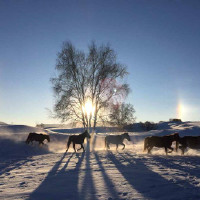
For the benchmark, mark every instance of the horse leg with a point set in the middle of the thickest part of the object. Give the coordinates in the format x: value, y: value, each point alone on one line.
x: 171, y: 149
x: 177, y: 145
x: 166, y: 150
x: 79, y: 149
x: 67, y: 149
x: 68, y: 144
x: 107, y: 145
x: 182, y: 149
x: 116, y: 146
x: 123, y: 146
x: 82, y: 147
x: 149, y: 149
x: 74, y: 146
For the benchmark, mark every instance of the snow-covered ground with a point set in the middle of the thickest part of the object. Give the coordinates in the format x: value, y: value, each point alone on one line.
x: 48, y: 173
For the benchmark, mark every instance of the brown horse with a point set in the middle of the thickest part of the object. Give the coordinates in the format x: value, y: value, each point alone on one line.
x: 116, y: 139
x: 78, y: 139
x: 192, y: 142
x: 164, y: 141
x: 37, y: 137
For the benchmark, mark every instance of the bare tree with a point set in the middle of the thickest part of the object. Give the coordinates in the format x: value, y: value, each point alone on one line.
x: 122, y: 115
x: 87, y: 84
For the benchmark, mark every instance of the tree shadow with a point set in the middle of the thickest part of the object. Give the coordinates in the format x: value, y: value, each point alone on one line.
x: 166, y: 164
x: 182, y: 166
x: 60, y: 184
x: 148, y: 183
x: 88, y: 188
x: 94, y: 141
x: 107, y: 180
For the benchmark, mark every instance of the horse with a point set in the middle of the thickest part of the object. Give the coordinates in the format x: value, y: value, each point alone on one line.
x: 192, y: 142
x: 37, y: 137
x: 78, y: 139
x: 161, y: 141
x: 116, y: 139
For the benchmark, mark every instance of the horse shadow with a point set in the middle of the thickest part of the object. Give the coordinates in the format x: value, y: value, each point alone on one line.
x: 15, y: 154
x: 193, y: 161
x: 148, y: 182
x: 60, y: 183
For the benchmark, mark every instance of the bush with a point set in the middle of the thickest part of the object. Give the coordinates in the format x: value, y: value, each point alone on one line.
x: 147, y: 126
x: 175, y: 120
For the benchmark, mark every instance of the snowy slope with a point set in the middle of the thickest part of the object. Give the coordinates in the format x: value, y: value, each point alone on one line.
x: 47, y: 173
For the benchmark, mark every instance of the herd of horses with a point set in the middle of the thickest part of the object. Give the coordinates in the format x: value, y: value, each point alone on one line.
x: 165, y: 142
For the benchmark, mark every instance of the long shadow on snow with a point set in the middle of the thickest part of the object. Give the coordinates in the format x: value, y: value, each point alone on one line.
x: 182, y: 166
x: 88, y: 189
x: 62, y: 184
x: 150, y: 184
x: 107, y: 180
x: 14, y: 154
x: 187, y: 188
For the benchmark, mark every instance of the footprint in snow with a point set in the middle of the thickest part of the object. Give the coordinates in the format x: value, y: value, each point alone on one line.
x: 125, y: 193
x: 23, y: 184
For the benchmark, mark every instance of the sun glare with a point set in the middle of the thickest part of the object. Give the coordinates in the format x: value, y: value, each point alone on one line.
x: 88, y: 108
x: 181, y: 110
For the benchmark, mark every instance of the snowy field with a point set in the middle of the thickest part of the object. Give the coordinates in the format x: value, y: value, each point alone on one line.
x: 48, y: 173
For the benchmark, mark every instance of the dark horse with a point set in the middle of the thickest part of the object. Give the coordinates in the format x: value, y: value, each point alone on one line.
x: 116, y: 139
x: 192, y: 142
x: 164, y: 141
x: 78, y: 139
x: 37, y: 137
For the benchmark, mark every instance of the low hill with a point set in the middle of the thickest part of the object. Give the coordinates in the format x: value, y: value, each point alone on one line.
x: 18, y: 129
x: 3, y: 123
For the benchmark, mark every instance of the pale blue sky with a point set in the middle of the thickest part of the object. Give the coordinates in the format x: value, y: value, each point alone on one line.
x: 159, y: 41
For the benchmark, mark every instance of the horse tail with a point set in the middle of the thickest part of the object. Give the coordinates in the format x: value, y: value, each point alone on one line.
x: 145, y: 144
x: 105, y: 142
x: 27, y: 140
x: 68, y: 143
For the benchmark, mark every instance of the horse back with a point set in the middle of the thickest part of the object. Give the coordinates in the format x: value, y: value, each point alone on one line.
x: 158, y: 141
x: 114, y: 139
x: 31, y: 136
x: 76, y: 139
x: 36, y: 137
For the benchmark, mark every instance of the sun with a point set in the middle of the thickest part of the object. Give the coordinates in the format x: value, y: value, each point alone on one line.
x: 88, y: 108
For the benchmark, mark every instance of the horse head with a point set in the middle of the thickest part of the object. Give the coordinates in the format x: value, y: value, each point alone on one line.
x: 48, y: 138
x: 176, y: 137
x: 126, y: 135
x: 87, y: 134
